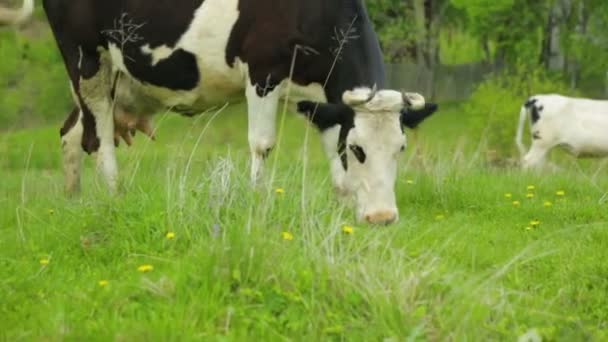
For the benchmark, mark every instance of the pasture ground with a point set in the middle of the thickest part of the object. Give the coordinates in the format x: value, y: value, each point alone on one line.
x: 463, y: 263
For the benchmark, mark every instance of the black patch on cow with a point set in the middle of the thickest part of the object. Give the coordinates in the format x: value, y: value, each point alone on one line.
x: 535, y: 113
x: 532, y: 106
x: 114, y: 85
x: 267, y: 33
x: 412, y: 118
x: 133, y: 24
x: 536, y: 135
x: 266, y: 153
x: 358, y: 152
x: 327, y: 115
x: 268, y: 86
x: 177, y: 72
x: 530, y: 103
x: 69, y: 122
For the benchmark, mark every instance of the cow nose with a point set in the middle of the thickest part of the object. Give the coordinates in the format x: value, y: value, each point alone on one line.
x: 381, y: 217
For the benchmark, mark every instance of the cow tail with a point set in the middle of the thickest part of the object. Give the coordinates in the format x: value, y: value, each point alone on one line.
x: 523, y: 113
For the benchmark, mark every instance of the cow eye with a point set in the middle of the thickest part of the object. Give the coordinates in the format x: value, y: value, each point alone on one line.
x: 358, y: 152
x: 402, y: 148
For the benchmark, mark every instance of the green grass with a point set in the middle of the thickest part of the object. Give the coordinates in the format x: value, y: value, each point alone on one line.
x: 460, y: 264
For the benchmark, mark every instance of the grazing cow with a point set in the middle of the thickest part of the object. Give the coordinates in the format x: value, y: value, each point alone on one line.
x: 141, y: 57
x: 363, y: 162
x: 16, y: 17
x: 578, y: 125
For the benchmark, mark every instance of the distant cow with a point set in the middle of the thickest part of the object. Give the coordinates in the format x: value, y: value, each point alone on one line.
x: 578, y: 125
x: 142, y: 57
x: 16, y: 17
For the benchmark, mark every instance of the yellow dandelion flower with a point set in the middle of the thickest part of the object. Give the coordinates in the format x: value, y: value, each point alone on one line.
x: 348, y: 229
x: 44, y: 261
x: 409, y: 181
x: 508, y: 195
x: 547, y: 204
x: 516, y: 203
x: 287, y: 236
x: 534, y: 223
x: 529, y: 195
x: 529, y: 228
x: 530, y: 188
x: 561, y: 193
x: 170, y: 235
x: 439, y: 217
x: 103, y: 283
x: 145, y: 268
x: 279, y: 191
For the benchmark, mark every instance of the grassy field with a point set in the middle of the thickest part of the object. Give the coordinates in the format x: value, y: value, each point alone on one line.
x: 189, y: 252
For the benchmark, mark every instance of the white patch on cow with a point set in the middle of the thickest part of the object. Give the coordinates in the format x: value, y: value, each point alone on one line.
x: 329, y: 137
x: 158, y: 53
x: 384, y: 100
x: 118, y: 60
x: 377, y: 132
x: 578, y: 125
x: 106, y: 155
x: 374, y: 179
x: 95, y: 94
x: 262, y: 113
x: 72, y: 156
x: 207, y: 38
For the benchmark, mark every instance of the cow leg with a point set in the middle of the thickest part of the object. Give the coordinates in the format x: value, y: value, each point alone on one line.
x: 95, y: 94
x: 330, y: 139
x: 262, y: 105
x: 90, y: 74
x: 93, y: 88
x: 535, y: 158
x: 71, y: 141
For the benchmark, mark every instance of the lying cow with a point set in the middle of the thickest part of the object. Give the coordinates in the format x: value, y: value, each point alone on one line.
x: 578, y: 125
x: 190, y: 55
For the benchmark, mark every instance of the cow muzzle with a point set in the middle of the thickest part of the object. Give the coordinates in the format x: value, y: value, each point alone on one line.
x: 382, y: 217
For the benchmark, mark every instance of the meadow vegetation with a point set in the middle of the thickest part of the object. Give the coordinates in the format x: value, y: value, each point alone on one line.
x: 187, y: 251
x: 478, y: 254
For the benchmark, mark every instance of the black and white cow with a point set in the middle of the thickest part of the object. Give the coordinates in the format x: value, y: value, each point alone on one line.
x: 578, y: 125
x: 142, y: 56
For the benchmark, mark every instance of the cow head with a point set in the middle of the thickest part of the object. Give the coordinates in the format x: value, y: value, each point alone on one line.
x: 363, y: 138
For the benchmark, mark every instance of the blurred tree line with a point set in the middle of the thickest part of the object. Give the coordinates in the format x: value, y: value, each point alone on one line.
x: 569, y: 37
x: 541, y: 45
x: 532, y: 46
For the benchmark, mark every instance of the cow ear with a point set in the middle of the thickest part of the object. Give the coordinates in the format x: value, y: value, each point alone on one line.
x: 326, y: 115
x: 411, y: 118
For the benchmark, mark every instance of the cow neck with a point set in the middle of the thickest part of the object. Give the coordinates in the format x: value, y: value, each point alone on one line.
x: 360, y: 62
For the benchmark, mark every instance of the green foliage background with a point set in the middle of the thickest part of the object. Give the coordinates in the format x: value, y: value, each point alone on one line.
x: 507, y: 32
x: 463, y: 263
